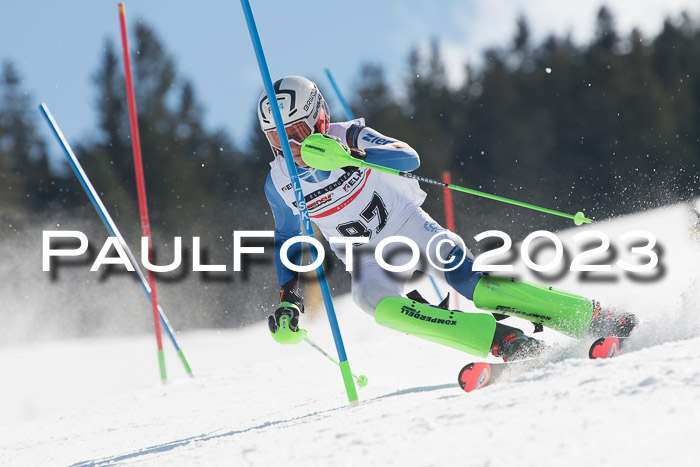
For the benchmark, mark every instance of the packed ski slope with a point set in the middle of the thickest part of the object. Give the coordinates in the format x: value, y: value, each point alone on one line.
x: 270, y: 407
x: 253, y: 402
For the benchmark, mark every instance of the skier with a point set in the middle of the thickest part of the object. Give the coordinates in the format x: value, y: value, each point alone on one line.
x: 359, y: 202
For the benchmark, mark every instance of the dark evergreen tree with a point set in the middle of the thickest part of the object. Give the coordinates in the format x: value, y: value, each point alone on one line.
x: 24, y: 164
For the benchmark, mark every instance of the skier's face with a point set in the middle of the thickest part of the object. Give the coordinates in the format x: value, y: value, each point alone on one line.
x: 296, y: 152
x: 296, y: 134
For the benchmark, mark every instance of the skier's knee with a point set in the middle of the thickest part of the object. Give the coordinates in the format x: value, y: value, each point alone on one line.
x: 368, y: 297
x: 463, y: 279
x: 364, y: 299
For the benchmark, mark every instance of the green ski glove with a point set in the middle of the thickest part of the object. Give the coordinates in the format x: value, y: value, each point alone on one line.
x: 284, y: 324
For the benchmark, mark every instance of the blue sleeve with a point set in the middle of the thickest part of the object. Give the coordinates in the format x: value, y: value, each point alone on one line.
x: 404, y: 159
x: 287, y: 225
x: 382, y: 150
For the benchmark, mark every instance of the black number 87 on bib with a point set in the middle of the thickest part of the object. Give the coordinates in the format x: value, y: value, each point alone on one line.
x: 358, y: 228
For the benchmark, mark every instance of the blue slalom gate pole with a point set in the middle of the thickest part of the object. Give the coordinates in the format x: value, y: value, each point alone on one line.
x: 111, y: 226
x: 351, y: 116
x: 299, y: 195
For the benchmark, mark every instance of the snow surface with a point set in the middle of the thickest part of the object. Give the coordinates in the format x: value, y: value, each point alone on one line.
x: 253, y: 402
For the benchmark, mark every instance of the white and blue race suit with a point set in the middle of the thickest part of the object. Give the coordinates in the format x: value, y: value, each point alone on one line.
x: 361, y: 202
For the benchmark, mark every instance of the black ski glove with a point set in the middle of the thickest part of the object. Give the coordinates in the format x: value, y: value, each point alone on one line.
x: 284, y: 322
x: 358, y: 154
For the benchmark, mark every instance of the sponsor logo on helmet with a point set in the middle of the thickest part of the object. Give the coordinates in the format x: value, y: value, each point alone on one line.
x: 266, y: 105
x: 310, y: 100
x: 318, y: 108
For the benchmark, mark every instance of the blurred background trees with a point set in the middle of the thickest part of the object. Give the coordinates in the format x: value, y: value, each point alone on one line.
x: 609, y: 127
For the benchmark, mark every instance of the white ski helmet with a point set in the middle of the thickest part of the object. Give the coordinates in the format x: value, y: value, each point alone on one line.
x: 303, y: 108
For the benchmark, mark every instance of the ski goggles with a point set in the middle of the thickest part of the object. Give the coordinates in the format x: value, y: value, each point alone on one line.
x: 296, y: 132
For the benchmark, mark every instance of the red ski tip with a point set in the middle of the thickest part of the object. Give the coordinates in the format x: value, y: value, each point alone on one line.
x: 474, y: 376
x: 605, y: 347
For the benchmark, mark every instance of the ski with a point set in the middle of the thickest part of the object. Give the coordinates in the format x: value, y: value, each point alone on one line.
x: 606, y: 347
x: 476, y: 375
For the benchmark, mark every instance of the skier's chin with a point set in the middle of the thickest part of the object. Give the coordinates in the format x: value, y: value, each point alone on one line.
x: 299, y: 161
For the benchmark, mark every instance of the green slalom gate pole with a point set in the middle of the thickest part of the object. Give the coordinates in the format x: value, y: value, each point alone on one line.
x: 348, y: 380
x: 323, y: 153
x: 360, y: 380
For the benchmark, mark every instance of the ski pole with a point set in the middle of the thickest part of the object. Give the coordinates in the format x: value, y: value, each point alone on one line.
x: 344, y: 365
x: 324, y: 153
x: 361, y: 380
x: 111, y: 227
x: 351, y: 116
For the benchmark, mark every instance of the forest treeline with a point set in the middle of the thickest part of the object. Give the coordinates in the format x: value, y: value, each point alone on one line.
x: 608, y: 127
